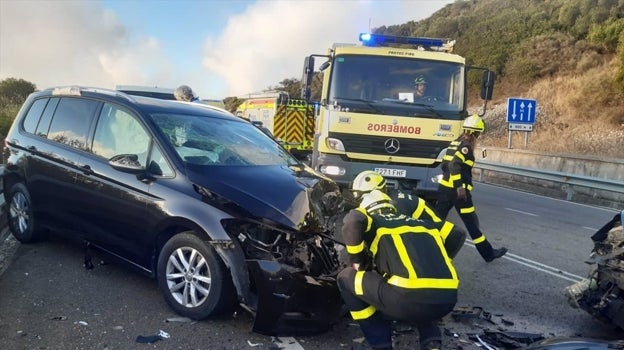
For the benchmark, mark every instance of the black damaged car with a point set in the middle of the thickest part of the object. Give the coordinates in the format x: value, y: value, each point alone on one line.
x: 203, y: 201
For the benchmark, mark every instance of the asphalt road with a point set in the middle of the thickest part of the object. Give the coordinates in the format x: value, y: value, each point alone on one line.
x: 49, y: 301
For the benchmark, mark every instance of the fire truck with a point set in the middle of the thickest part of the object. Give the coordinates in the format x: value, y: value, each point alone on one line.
x: 371, y: 118
x: 290, y: 121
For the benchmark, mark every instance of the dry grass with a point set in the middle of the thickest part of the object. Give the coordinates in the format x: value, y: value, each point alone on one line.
x: 580, y: 113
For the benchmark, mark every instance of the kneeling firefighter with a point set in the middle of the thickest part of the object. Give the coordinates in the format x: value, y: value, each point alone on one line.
x: 400, y: 270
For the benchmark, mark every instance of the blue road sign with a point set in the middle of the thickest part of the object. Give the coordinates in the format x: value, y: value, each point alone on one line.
x: 521, y: 110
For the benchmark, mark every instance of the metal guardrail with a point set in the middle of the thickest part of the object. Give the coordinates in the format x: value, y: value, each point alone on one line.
x: 559, y: 177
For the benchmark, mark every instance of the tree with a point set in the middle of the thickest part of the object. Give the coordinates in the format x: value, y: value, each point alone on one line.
x: 231, y: 103
x: 291, y: 86
x: 15, y: 91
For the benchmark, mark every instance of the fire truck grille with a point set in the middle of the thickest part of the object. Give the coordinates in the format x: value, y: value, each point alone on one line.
x: 381, y: 145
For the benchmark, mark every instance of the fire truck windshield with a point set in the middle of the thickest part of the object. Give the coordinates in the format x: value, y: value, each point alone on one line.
x: 398, y: 86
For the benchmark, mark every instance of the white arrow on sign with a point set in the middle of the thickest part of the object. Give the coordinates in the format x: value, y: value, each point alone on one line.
x: 513, y: 114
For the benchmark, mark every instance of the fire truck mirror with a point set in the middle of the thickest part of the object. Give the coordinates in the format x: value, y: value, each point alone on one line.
x: 282, y: 99
x: 487, y: 85
x: 308, y: 71
x: 324, y: 66
x: 306, y: 93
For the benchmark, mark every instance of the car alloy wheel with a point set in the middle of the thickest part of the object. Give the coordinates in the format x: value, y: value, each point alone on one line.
x: 188, y: 277
x: 192, y: 277
x: 20, y: 215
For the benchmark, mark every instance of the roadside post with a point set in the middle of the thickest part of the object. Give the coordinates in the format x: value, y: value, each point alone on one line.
x: 520, y: 117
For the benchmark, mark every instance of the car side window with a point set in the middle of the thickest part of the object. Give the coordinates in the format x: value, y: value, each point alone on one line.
x: 119, y: 132
x: 158, y: 164
x: 34, y: 113
x: 71, y: 121
x: 44, y: 122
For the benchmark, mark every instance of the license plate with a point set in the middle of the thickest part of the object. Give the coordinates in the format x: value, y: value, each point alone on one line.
x: 391, y: 172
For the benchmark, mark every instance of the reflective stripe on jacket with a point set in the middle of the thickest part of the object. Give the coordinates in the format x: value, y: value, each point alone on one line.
x: 457, y: 165
x: 409, y: 253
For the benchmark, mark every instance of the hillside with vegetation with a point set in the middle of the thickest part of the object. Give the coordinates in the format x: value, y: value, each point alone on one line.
x: 566, y: 54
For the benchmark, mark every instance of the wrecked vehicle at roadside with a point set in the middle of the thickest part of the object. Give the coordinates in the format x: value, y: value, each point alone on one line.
x: 602, y: 293
x: 218, y: 212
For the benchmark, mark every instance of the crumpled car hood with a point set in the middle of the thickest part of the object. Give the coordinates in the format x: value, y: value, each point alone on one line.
x: 295, y: 196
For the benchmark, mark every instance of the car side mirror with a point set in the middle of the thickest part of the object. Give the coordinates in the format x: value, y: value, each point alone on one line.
x: 127, y: 163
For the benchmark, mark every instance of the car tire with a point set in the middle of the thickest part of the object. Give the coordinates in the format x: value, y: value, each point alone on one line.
x: 20, y: 217
x: 193, y: 279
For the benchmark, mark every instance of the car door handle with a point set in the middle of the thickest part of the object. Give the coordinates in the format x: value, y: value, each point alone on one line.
x: 86, y: 169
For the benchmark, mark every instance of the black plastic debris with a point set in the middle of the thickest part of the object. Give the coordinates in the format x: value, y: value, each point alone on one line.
x: 463, y: 314
x: 58, y: 318
x: 88, y: 264
x: 148, y: 339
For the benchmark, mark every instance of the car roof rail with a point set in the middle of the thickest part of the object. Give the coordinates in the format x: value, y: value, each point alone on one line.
x: 75, y: 90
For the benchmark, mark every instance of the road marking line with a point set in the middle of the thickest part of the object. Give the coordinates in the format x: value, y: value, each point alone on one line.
x: 590, y: 228
x: 539, y: 266
x: 521, y: 212
x: 287, y: 343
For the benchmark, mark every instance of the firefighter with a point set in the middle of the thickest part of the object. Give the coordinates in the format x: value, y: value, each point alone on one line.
x: 420, y: 86
x: 456, y: 185
x: 185, y: 93
x: 410, y: 205
x: 399, y: 271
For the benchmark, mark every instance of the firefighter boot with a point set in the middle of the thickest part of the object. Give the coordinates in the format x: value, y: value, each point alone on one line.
x: 496, y: 253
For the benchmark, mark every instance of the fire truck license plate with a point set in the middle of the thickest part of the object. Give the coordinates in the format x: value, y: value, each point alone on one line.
x: 391, y: 172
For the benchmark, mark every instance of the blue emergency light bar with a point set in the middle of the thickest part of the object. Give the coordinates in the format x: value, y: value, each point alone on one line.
x: 368, y: 39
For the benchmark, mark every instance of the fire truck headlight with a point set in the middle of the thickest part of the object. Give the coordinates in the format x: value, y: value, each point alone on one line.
x: 335, y: 144
x: 332, y: 170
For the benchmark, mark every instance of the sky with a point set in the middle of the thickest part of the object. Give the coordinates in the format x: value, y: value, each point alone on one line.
x: 220, y: 48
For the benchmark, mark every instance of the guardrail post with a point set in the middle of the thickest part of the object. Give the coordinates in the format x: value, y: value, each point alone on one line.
x: 569, y: 191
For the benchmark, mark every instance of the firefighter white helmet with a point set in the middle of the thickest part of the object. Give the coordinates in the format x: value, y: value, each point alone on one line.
x: 367, y: 181
x: 376, y: 200
x: 183, y: 93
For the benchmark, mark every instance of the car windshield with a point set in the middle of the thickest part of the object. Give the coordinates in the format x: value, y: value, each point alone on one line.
x: 200, y: 140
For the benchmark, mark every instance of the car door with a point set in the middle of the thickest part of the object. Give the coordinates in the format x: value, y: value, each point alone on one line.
x: 54, y: 147
x: 114, y: 203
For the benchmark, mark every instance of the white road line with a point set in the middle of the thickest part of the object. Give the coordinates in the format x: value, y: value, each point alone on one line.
x: 521, y: 212
x: 540, y: 267
x: 287, y: 343
x: 590, y: 228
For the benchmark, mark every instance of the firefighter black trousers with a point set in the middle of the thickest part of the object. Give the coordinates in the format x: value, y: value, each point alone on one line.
x: 466, y: 210
x: 391, y: 303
